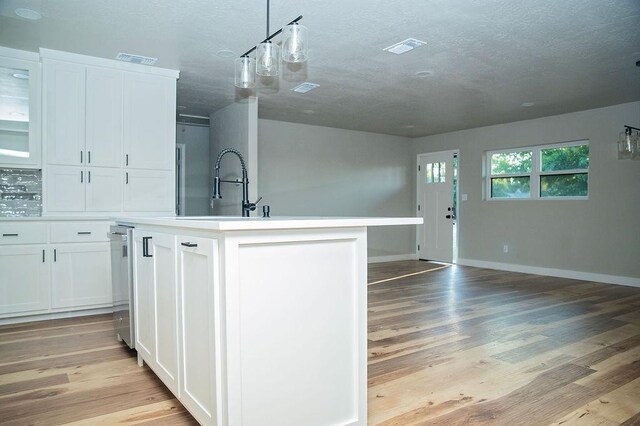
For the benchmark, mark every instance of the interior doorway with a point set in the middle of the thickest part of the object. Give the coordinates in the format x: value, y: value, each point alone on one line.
x: 437, y: 186
x: 180, y: 179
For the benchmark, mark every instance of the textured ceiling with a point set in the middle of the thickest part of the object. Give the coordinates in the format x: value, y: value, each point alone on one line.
x: 486, y: 58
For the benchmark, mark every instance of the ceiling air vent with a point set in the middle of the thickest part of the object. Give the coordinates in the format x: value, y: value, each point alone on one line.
x: 404, y: 46
x: 136, y: 59
x: 305, y: 87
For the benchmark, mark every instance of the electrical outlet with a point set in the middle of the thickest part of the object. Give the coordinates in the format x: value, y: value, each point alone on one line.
x: 505, y: 248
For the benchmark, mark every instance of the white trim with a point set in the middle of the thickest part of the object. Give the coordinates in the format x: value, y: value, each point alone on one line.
x: 111, y: 63
x: 19, y: 54
x: 56, y: 315
x: 553, y: 272
x: 392, y: 258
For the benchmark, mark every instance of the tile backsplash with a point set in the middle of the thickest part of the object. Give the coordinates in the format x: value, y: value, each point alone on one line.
x: 20, y: 192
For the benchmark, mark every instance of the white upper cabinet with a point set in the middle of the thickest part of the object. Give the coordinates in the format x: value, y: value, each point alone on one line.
x: 64, y: 112
x: 104, y: 117
x: 149, y: 121
x: 83, y: 110
x: 20, y: 109
x: 101, y: 116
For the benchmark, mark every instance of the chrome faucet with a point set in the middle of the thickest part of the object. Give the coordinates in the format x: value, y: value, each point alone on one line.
x: 247, y: 207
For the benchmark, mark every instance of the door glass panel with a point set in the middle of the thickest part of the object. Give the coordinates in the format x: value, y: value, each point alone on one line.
x: 435, y: 172
x: 14, y: 112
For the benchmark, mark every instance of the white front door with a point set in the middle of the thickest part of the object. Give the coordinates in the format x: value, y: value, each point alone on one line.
x: 435, y: 205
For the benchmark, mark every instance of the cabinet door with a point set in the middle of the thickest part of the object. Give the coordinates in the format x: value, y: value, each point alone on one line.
x: 149, y: 191
x: 81, y: 275
x: 24, y: 280
x: 162, y: 248
x: 64, y: 112
x: 64, y: 189
x: 103, y: 189
x: 197, y: 284
x: 149, y: 121
x: 104, y: 117
x: 144, y: 300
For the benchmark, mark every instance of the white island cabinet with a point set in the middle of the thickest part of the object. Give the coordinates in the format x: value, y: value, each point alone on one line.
x: 253, y: 321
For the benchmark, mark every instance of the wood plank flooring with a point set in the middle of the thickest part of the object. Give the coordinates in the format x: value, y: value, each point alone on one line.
x: 448, y: 345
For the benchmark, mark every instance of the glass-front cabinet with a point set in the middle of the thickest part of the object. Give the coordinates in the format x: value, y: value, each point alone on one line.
x: 20, y: 109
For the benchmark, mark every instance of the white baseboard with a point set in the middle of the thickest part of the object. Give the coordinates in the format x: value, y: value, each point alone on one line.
x: 552, y: 272
x: 393, y: 258
x: 55, y: 315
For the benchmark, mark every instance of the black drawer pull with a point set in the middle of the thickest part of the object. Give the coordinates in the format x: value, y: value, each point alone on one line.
x: 84, y: 233
x: 9, y: 235
x: 188, y: 244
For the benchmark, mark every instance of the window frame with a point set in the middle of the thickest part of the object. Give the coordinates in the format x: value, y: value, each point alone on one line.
x: 536, y: 171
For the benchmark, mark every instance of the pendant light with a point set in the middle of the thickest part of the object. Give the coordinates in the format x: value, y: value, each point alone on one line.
x: 295, y: 48
x: 267, y: 55
x: 267, y: 61
x: 245, y: 72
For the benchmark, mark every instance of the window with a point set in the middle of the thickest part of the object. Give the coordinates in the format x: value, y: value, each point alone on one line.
x: 549, y: 171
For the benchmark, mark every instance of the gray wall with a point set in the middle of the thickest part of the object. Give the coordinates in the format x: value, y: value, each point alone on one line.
x: 235, y: 126
x: 598, y: 235
x: 320, y: 171
x: 197, y: 189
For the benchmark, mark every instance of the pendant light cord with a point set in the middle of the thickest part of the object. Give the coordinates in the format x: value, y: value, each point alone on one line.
x: 267, y: 36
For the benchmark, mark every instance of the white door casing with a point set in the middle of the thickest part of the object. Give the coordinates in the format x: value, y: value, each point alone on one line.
x: 435, y: 205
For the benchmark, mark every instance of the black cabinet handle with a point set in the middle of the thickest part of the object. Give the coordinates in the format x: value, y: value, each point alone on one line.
x: 126, y: 160
x: 80, y: 157
x: 89, y: 176
x: 89, y: 157
x: 84, y: 233
x: 55, y: 255
x: 9, y: 235
x: 145, y: 247
x: 81, y: 176
x: 43, y: 256
x: 126, y: 180
x: 188, y: 244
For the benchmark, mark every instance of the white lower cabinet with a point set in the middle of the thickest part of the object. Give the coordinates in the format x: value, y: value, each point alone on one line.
x: 197, y: 282
x: 175, y: 281
x: 81, y: 275
x: 24, y: 279
x: 149, y: 191
x: 79, y: 189
x: 156, y: 300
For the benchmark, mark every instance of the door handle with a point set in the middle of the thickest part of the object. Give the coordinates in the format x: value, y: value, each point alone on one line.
x: 188, y: 244
x: 448, y: 216
x: 145, y: 247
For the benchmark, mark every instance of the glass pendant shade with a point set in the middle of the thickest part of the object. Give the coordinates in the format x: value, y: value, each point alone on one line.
x: 268, y: 59
x: 626, y: 145
x: 295, y: 47
x: 245, y: 73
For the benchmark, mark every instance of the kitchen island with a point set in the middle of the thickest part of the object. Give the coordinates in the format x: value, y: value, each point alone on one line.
x: 256, y: 321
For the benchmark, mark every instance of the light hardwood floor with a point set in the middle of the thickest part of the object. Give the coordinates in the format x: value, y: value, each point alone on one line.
x: 447, y: 346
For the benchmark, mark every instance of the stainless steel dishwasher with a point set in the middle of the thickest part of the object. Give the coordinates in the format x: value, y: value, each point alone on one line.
x: 122, y: 281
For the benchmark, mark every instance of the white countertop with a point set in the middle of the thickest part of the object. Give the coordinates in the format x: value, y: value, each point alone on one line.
x: 235, y: 223
x: 52, y: 218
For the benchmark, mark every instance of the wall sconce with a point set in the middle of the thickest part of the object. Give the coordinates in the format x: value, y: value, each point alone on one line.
x: 629, y: 144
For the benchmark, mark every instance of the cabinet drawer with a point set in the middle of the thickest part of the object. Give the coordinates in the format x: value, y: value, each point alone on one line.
x: 79, y: 232
x: 23, y: 233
